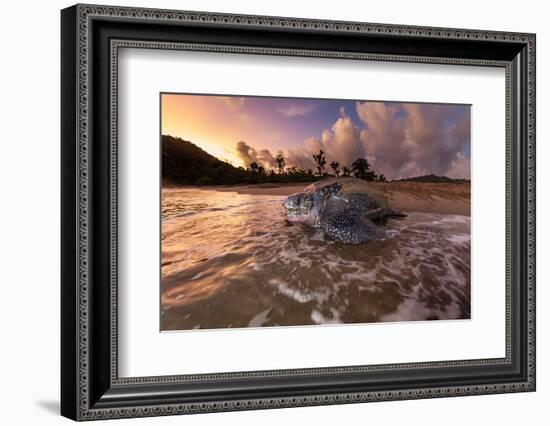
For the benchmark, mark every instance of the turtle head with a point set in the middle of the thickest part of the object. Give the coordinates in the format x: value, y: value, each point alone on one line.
x: 300, y: 207
x: 307, y: 206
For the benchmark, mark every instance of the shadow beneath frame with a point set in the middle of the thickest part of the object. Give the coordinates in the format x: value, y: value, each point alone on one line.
x: 51, y: 407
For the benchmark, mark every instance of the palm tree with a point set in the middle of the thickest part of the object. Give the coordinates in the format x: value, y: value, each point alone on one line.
x: 336, y: 167
x: 280, y: 163
x: 254, y: 167
x: 361, y: 169
x: 292, y: 170
x: 261, y: 170
x: 320, y: 162
x: 345, y: 171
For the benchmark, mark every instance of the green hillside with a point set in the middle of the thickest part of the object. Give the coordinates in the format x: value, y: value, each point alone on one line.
x: 187, y: 164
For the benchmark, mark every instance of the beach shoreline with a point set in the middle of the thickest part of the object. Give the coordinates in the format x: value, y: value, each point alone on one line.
x: 439, y: 198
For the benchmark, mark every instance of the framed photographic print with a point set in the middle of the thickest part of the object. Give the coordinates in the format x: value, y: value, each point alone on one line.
x: 263, y: 212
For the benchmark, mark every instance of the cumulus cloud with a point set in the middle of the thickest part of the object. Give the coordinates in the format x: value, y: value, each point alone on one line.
x: 342, y: 143
x: 249, y: 155
x: 299, y: 157
x: 460, y: 167
x: 415, y: 139
x: 383, y: 125
x: 399, y: 140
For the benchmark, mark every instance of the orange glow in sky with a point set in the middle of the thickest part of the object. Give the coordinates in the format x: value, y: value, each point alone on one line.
x: 217, y: 123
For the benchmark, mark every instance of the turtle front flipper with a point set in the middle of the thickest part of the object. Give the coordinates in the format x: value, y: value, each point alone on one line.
x: 350, y: 228
x: 396, y: 214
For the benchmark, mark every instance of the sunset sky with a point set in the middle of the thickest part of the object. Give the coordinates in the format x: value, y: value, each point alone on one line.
x: 399, y: 139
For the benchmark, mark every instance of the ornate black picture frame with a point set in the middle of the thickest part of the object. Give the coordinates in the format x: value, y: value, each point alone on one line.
x: 91, y: 387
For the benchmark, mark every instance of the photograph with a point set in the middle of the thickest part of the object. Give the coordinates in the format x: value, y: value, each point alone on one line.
x: 292, y: 211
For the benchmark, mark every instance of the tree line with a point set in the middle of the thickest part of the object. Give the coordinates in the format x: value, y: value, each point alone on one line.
x: 360, y: 169
x: 186, y: 164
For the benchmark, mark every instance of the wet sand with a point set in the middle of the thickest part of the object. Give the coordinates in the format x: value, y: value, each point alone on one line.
x: 230, y: 259
x: 440, y: 198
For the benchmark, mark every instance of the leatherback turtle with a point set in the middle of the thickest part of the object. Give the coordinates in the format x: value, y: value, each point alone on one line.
x: 346, y: 209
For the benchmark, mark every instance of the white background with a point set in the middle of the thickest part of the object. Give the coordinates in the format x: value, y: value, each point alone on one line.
x: 146, y: 352
x: 29, y: 225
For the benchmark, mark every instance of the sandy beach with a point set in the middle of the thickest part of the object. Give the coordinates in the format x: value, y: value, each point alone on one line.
x: 230, y: 259
x: 440, y: 198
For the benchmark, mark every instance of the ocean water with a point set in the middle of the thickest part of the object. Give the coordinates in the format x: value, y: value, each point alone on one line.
x: 231, y: 260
